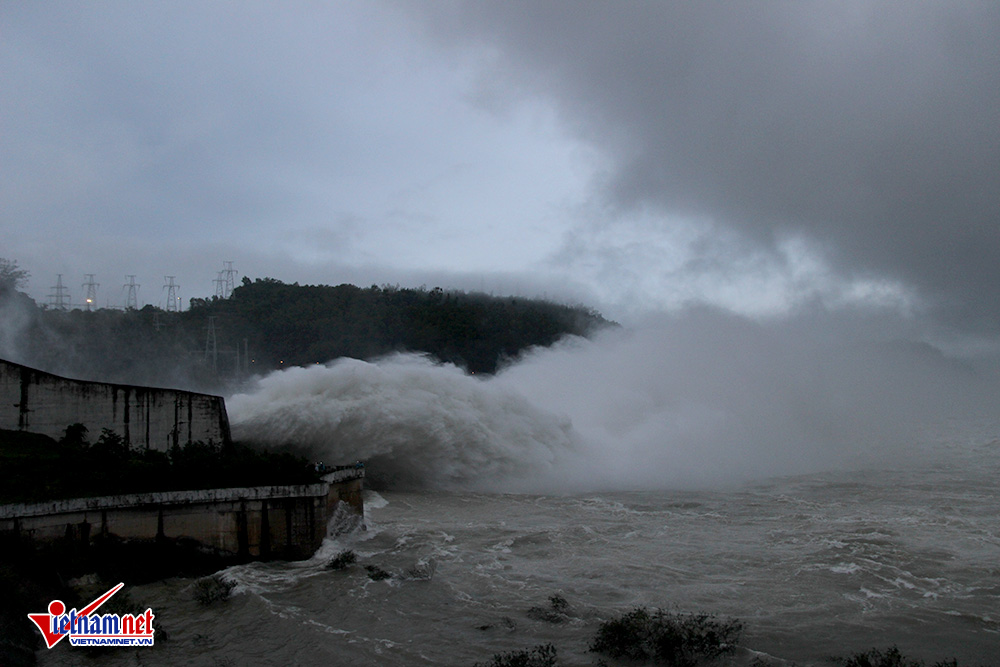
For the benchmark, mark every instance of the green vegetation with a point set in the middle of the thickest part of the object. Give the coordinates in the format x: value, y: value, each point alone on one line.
x: 682, y: 640
x: 11, y: 276
x: 540, y: 656
x: 36, y: 468
x: 283, y: 325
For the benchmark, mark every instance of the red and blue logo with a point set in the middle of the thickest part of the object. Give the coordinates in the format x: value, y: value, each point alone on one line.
x: 85, y: 628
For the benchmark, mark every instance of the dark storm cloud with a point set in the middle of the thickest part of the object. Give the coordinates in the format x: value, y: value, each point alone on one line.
x: 871, y: 129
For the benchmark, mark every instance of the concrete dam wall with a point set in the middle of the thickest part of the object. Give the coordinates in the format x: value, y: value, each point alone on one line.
x: 146, y: 417
x: 286, y: 522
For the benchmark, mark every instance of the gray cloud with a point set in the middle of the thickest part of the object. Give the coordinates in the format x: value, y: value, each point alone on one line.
x: 307, y: 142
x: 870, y: 129
x: 758, y: 156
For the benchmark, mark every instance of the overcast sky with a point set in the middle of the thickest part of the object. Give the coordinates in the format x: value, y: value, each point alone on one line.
x: 761, y: 156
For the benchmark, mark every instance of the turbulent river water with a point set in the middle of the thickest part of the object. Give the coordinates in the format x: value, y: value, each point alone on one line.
x: 832, y: 493
x: 814, y: 565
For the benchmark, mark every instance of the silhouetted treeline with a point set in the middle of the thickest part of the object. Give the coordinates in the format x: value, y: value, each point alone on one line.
x: 281, y: 325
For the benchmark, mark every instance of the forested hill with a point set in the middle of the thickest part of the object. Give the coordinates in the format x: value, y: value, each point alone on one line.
x: 280, y: 325
x: 309, y: 324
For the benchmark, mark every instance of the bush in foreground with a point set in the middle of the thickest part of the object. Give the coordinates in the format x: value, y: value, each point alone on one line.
x: 541, y: 656
x: 890, y: 657
x: 682, y: 640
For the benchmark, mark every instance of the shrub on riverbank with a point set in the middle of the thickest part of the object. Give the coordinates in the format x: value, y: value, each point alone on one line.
x: 540, y: 656
x: 890, y: 657
x: 682, y: 640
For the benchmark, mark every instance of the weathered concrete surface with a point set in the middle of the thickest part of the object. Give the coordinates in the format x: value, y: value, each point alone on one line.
x: 146, y: 417
x: 260, y: 522
x: 345, y: 487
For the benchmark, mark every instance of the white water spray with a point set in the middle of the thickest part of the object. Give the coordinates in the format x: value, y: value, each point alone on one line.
x: 417, y: 423
x: 697, y: 399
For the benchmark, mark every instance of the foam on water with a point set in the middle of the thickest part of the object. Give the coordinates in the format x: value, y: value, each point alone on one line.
x: 817, y: 565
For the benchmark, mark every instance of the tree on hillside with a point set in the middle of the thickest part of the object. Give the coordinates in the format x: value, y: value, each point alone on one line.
x: 11, y: 277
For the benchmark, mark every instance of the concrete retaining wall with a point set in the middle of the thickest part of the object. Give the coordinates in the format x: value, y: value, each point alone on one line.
x: 32, y: 400
x: 260, y: 522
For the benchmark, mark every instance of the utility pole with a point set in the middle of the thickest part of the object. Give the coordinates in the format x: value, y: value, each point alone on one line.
x: 211, y: 347
x: 173, y: 301
x: 242, y: 360
x: 90, y: 300
x: 132, y: 298
x: 59, y: 299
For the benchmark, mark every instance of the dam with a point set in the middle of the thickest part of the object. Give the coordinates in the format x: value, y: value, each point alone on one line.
x: 281, y: 522
x: 261, y: 522
x: 146, y: 417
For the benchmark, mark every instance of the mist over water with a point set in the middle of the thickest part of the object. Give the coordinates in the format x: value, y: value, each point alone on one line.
x: 702, y: 398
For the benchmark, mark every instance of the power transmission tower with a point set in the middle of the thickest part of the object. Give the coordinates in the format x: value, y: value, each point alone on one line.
x: 220, y: 285
x: 173, y: 301
x: 228, y: 277
x: 132, y: 298
x: 211, y: 347
x: 59, y: 299
x: 90, y: 300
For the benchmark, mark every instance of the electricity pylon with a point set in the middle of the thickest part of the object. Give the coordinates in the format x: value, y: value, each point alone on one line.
x: 173, y: 301
x: 228, y: 277
x: 132, y: 298
x: 59, y: 299
x: 90, y: 300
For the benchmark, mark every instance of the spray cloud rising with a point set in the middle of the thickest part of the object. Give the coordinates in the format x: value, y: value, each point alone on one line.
x: 699, y: 398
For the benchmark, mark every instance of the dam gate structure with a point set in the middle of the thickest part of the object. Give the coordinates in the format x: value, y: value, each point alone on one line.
x: 146, y: 417
x: 264, y: 522
x: 268, y: 522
